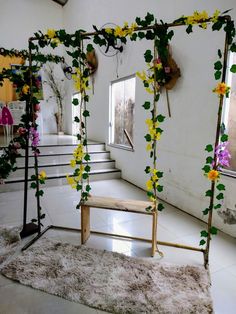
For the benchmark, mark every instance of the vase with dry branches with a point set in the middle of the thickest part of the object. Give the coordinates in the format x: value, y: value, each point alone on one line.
x: 56, y: 85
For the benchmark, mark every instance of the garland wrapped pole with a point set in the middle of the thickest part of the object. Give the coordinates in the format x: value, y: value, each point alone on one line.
x: 217, y: 141
x: 155, y: 78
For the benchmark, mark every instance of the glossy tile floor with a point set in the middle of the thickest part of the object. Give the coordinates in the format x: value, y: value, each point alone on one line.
x: 59, y: 204
x: 46, y: 139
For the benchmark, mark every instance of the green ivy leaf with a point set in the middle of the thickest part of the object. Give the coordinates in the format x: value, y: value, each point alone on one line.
x: 88, y: 188
x: 209, y: 160
x: 217, y: 75
x: 208, y: 193
x: 147, y: 105
x: 209, y: 148
x: 159, y: 174
x: 90, y: 48
x: 233, y: 68
x: 42, y: 216
x: 219, y: 53
x: 78, y: 187
x: 220, y: 187
x: 76, y: 119
x: 87, y: 157
x: 206, y: 168
x: 147, y: 169
x: 160, y: 118
x: 159, y: 188
x: 217, y: 206
x: 213, y: 230
x: 205, y: 211
x: 33, y: 185
x: 218, y: 65
x: 34, y: 220
x: 75, y: 101
x: 39, y: 193
x: 148, y: 209
x: 224, y: 138
x: 160, y: 207
x: 204, y: 233
x: 86, y: 113
x: 148, y: 137
x: 33, y: 177
x: 85, y: 176
x: 148, y: 56
x: 202, y: 242
x: 133, y: 37
x: 217, y: 25
x: 233, y: 47
x: 141, y: 35
x: 189, y: 29
x: 87, y: 168
x: 79, y: 137
x: 220, y: 196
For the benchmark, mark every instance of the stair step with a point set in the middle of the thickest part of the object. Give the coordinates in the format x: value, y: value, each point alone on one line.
x: 60, y: 158
x: 64, y: 149
x: 56, y: 169
x: 17, y: 184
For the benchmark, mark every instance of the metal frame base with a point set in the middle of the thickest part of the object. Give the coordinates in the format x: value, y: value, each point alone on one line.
x: 182, y: 246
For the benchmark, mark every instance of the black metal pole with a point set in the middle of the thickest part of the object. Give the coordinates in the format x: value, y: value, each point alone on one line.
x: 29, y: 228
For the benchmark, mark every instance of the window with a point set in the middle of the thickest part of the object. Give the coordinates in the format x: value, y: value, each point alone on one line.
x: 122, y: 101
x: 75, y: 112
x: 230, y: 114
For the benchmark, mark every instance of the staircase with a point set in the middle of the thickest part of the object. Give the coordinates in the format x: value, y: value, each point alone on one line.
x: 55, y: 160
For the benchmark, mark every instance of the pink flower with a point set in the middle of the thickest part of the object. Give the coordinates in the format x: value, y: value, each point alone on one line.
x: 167, y: 69
x: 21, y: 130
x: 17, y: 145
x: 37, y: 107
x: 223, y: 155
x: 34, y: 137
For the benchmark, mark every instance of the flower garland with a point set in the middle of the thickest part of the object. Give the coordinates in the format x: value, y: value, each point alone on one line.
x: 153, y: 79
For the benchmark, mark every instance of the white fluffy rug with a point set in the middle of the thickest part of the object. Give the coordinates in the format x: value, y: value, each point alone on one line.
x: 9, y: 241
x: 111, y: 281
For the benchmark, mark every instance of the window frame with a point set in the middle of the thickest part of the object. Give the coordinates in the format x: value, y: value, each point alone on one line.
x: 111, y: 114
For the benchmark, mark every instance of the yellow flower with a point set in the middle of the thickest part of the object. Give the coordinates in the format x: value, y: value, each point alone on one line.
x: 56, y: 41
x: 118, y: 32
x: 25, y: 89
x: 142, y: 75
x: 204, y: 25
x: 149, y: 185
x: 215, y: 16
x: 71, y: 181
x: 221, y: 89
x: 42, y: 175
x: 213, y: 175
x: 108, y: 30
x: 190, y: 20
x: 149, y: 90
x: 73, y: 163
x: 148, y: 147
x: 51, y: 33
x: 149, y: 122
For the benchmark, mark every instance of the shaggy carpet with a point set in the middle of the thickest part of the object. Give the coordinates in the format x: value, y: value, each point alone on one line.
x: 111, y: 281
x: 9, y: 241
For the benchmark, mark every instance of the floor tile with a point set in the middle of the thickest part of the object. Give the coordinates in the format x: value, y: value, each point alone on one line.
x: 19, y: 299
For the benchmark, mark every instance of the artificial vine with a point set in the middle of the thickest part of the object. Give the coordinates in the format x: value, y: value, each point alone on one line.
x: 154, y: 78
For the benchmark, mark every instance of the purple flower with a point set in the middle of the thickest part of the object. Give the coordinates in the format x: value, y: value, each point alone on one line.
x: 34, y: 137
x: 223, y: 155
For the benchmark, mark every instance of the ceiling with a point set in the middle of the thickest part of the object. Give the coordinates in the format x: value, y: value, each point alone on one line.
x: 61, y: 2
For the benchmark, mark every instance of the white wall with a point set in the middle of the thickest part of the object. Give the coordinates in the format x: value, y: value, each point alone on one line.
x: 19, y: 19
x: 194, y: 107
